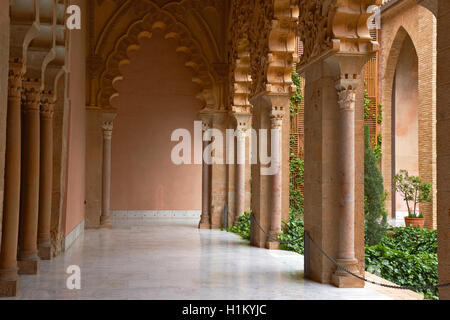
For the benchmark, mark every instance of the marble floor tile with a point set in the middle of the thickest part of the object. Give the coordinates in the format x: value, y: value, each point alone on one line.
x: 172, y: 259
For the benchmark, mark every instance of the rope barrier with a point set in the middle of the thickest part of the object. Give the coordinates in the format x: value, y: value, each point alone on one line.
x: 342, y: 267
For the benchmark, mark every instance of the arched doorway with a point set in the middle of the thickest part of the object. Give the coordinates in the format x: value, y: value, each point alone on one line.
x: 405, y: 121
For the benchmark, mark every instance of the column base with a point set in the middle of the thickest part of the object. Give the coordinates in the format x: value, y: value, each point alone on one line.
x: 45, y: 252
x: 216, y: 226
x: 342, y: 279
x: 204, y: 225
x: 9, y: 288
x: 272, y: 245
x: 105, y: 223
x: 29, y: 266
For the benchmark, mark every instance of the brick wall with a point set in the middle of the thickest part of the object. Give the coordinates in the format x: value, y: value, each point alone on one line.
x: 408, y: 19
x: 443, y: 146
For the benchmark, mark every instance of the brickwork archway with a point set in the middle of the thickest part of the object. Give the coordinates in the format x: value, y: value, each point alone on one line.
x: 419, y: 24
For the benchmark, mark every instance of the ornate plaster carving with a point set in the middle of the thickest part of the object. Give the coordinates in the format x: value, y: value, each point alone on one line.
x: 272, y: 51
x: 241, y: 82
x: 334, y: 26
x: 143, y: 28
x: 132, y: 20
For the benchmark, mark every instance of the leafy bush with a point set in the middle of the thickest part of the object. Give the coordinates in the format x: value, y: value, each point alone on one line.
x: 412, y: 240
x: 403, y: 268
x: 408, y: 257
x: 297, y: 172
x: 292, y: 230
x: 242, y: 227
x: 298, y: 96
x: 374, y: 196
x: 367, y: 106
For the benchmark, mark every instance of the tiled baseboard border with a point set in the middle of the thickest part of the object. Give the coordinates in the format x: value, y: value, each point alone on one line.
x: 148, y: 214
x: 70, y: 239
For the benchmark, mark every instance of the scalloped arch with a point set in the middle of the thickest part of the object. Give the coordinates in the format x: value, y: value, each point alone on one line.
x: 131, y: 42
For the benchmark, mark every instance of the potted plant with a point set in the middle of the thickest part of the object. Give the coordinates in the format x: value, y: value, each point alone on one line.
x: 414, y: 191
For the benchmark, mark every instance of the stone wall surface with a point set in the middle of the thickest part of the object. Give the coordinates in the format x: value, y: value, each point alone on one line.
x: 156, y: 98
x: 75, y: 205
x: 4, y: 65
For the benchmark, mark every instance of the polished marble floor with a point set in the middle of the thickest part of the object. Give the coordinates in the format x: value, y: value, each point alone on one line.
x: 172, y: 259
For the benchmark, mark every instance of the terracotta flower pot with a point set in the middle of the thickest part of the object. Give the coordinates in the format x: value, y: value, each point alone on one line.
x: 414, y: 222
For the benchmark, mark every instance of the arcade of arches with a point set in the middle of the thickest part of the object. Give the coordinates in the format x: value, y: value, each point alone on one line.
x: 86, y: 118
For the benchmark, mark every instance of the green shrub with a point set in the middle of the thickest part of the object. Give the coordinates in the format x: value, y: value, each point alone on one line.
x: 292, y: 230
x: 297, y: 172
x: 405, y: 269
x: 298, y: 96
x: 374, y: 196
x: 367, y: 106
x: 412, y: 240
x: 242, y: 227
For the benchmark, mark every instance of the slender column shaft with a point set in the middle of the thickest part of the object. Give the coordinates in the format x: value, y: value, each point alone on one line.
x: 276, y: 203
x: 347, y: 205
x: 347, y: 98
x: 105, y: 219
x: 346, y: 231
x: 8, y: 251
x: 205, y: 220
x: 28, y: 253
x: 240, y: 176
x: 275, y: 227
x: 46, y: 178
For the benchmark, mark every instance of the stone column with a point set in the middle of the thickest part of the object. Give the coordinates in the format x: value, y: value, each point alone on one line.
x: 346, y: 89
x: 28, y: 253
x: 242, y: 127
x: 105, y: 219
x: 275, y: 217
x: 46, y: 177
x: 205, y: 220
x: 9, y: 279
x: 269, y: 109
x: 218, y: 172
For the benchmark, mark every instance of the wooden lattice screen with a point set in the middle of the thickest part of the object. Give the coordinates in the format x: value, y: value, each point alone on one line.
x: 298, y: 135
x: 371, y: 86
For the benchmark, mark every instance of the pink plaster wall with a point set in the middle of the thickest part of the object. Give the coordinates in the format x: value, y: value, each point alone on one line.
x: 75, y: 209
x: 406, y: 115
x: 157, y: 96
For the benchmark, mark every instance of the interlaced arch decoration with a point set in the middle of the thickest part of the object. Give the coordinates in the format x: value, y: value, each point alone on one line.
x: 240, y: 84
x: 334, y: 26
x: 272, y: 50
x: 154, y: 19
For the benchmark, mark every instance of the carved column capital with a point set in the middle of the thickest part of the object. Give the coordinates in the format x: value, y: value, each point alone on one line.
x: 205, y: 126
x: 276, y: 117
x: 15, y: 77
x: 243, y: 121
x: 346, y: 89
x: 47, y: 105
x: 31, y: 95
x: 107, y: 127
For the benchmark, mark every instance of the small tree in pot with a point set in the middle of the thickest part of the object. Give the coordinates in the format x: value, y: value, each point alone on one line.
x: 414, y: 191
